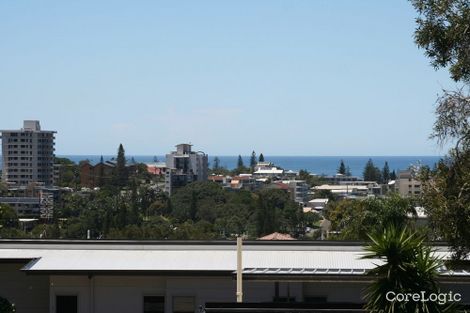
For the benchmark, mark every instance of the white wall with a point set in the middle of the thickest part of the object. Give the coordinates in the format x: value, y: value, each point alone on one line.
x: 124, y: 294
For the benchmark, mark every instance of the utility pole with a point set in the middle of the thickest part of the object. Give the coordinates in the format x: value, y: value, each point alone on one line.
x: 239, y: 271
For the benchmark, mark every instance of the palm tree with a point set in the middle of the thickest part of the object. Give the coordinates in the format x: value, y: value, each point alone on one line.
x: 409, y: 266
x: 6, y: 306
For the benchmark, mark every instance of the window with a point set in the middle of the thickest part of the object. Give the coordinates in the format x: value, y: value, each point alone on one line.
x: 315, y: 299
x: 284, y: 299
x: 183, y: 304
x: 66, y: 304
x: 154, y: 304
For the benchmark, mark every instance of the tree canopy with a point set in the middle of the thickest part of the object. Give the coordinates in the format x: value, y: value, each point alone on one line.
x: 342, y: 168
x: 121, y: 174
x: 355, y: 219
x: 371, y: 172
x: 443, y: 32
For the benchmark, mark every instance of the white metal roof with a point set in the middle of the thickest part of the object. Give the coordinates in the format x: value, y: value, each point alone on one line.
x: 273, y: 170
x: 164, y: 257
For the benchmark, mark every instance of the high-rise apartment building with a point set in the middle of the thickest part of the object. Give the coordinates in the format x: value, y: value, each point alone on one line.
x: 28, y: 155
x: 184, y: 166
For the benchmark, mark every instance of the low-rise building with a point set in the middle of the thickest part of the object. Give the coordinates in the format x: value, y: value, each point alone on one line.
x: 171, y: 277
x: 318, y: 204
x: 23, y: 206
x: 269, y: 172
x: 92, y: 176
x: 298, y: 190
x: 243, y: 181
x: 339, y: 179
x: 157, y: 169
x: 40, y: 204
x: 407, y: 183
x: 220, y: 179
x: 344, y: 191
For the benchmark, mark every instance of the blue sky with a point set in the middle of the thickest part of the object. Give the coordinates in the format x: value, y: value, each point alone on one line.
x: 280, y: 77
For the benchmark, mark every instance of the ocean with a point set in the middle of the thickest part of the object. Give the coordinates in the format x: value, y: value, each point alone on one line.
x: 326, y: 165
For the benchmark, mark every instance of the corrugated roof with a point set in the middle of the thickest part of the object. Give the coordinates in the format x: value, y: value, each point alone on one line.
x: 304, y: 271
x: 199, y: 257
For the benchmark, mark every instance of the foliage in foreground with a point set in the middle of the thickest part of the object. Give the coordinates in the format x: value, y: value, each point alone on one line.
x: 6, y: 306
x: 409, y: 267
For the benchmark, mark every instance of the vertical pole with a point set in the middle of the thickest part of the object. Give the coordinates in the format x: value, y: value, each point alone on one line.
x: 91, y: 280
x: 239, y: 271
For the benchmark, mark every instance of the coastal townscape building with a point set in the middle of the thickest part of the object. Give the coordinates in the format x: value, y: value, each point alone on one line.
x: 166, y: 276
x: 28, y: 155
x: 185, y: 166
x: 28, y: 170
x: 408, y: 184
x: 92, y: 176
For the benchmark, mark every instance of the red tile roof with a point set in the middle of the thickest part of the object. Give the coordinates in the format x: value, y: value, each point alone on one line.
x: 277, y: 236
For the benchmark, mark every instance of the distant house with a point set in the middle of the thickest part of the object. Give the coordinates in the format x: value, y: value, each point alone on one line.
x: 263, y: 166
x: 278, y: 185
x: 421, y: 216
x: 269, y: 172
x: 318, y: 204
x: 344, y: 191
x: 92, y: 176
x: 220, y: 179
x: 277, y: 236
x: 243, y: 181
x: 339, y: 179
x: 157, y: 169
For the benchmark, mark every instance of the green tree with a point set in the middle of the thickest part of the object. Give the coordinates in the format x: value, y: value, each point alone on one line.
x: 193, y: 206
x: 393, y: 175
x: 261, y: 157
x: 8, y: 216
x: 134, y: 216
x: 371, y: 172
x: 409, y: 267
x: 121, y: 175
x: 253, y: 160
x: 240, y: 162
x: 386, y: 173
x: 68, y: 173
x: 312, y: 180
x: 355, y: 219
x: 446, y: 189
x: 446, y: 197
x: 3, y: 189
x: 442, y: 31
x: 342, y: 168
x: 275, y: 211
x: 198, y: 200
x: 216, y: 165
x: 6, y: 306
